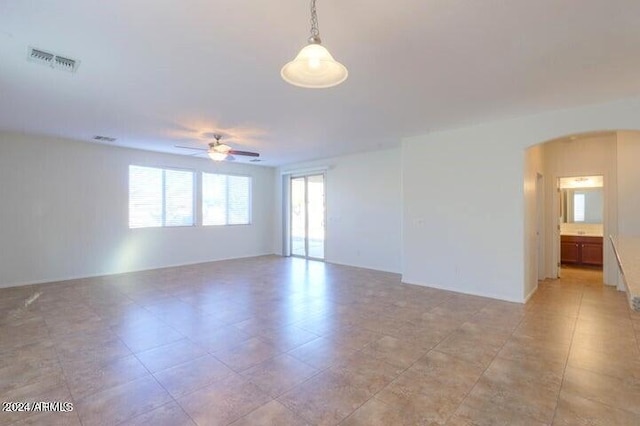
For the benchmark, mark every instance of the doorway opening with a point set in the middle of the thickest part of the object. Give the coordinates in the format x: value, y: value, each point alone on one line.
x: 540, y: 226
x: 581, y: 221
x: 570, y: 211
x: 307, y: 221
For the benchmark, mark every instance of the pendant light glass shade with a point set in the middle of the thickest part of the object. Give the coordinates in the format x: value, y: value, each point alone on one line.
x: 314, y: 67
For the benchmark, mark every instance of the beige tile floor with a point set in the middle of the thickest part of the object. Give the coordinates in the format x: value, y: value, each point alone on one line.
x: 277, y: 341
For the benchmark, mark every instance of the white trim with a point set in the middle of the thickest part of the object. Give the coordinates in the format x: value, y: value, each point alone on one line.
x: 371, y: 268
x: 531, y: 293
x: 173, y: 265
x: 489, y: 295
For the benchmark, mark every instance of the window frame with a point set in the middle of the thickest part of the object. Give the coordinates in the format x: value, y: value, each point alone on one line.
x: 194, y: 194
x: 249, y: 198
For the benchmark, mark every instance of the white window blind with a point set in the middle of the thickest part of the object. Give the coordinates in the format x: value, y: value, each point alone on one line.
x: 178, y: 190
x: 237, y: 200
x: 226, y: 200
x: 578, y: 207
x: 160, y: 197
x: 214, y: 199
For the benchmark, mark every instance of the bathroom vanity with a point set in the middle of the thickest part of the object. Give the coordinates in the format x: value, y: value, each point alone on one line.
x: 581, y: 250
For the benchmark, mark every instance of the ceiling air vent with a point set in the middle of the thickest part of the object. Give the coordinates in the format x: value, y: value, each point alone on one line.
x: 52, y: 60
x: 40, y: 56
x: 103, y: 139
x: 65, y: 63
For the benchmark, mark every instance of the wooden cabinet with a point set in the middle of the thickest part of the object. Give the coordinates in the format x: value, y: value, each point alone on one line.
x: 569, y: 251
x: 581, y: 250
x: 592, y: 253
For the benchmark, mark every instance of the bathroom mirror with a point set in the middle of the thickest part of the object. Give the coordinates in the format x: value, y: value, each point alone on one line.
x: 582, y: 205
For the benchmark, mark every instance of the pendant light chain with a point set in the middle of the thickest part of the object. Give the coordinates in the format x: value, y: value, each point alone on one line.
x: 315, y: 32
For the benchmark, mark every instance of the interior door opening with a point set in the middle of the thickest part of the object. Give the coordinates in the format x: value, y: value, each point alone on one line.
x: 307, y: 216
x: 540, y: 225
x: 581, y: 220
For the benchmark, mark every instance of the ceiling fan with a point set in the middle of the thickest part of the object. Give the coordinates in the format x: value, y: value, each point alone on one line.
x: 219, y: 151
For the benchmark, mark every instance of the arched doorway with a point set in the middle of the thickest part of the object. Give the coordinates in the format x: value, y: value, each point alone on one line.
x: 576, y: 156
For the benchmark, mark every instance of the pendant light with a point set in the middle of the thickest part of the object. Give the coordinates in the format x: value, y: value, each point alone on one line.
x: 314, y: 67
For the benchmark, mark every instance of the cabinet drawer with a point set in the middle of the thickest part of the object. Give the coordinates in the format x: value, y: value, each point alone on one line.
x: 580, y: 239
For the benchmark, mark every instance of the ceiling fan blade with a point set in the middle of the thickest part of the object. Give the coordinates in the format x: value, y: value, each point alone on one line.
x: 191, y: 147
x: 245, y: 153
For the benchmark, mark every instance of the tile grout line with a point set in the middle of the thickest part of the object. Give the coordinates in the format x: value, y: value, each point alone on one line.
x: 149, y: 371
x: 411, y: 365
x: 401, y: 373
x: 64, y: 374
x: 206, y: 353
x: 566, y: 363
x: 165, y: 389
x: 384, y: 387
x: 583, y: 301
x: 466, y: 395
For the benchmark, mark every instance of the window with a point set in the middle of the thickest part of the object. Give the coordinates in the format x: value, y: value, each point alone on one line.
x: 160, y: 197
x: 578, y: 207
x: 226, y: 200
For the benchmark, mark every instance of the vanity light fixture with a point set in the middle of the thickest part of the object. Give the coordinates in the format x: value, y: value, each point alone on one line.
x: 314, y: 67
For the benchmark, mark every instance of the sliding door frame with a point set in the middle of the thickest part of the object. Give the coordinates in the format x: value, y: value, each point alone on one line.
x: 306, y: 177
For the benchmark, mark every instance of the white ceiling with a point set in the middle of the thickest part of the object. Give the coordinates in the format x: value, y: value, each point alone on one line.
x: 160, y: 73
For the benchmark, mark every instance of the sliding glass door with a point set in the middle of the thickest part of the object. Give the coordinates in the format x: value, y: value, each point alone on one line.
x: 307, y: 216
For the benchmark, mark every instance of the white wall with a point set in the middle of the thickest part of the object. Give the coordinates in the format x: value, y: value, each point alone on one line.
x: 364, y: 209
x: 588, y: 156
x: 64, y: 213
x: 628, y: 153
x: 463, y: 197
x: 459, y: 209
